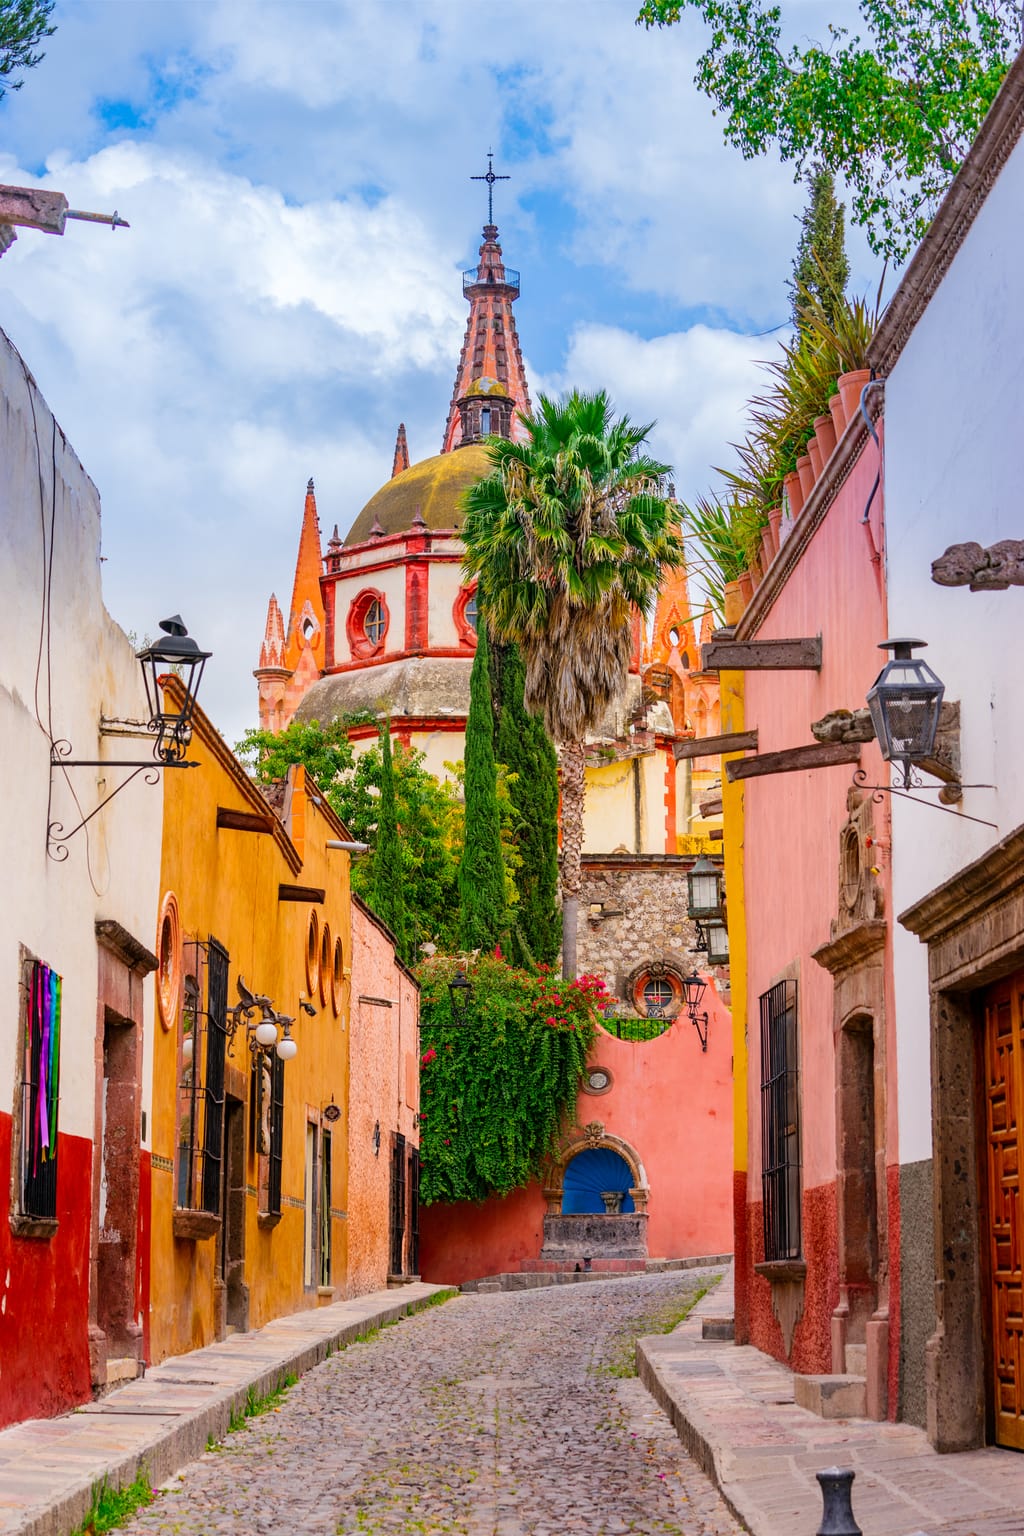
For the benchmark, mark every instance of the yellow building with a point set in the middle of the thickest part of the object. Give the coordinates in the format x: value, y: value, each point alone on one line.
x: 250, y: 1053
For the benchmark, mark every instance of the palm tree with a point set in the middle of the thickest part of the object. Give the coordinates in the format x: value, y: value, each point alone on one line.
x: 568, y: 537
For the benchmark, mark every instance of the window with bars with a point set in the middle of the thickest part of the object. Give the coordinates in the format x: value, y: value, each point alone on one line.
x: 780, y: 1122
x: 201, y: 1080
x: 40, y: 1091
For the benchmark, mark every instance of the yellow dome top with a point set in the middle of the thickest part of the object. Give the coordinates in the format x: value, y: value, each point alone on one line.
x: 434, y: 485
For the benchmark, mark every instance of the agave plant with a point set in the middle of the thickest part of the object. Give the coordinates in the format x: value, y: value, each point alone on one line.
x: 726, y: 534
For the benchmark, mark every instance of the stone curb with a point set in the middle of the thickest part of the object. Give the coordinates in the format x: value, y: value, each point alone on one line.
x: 694, y: 1431
x: 170, y: 1447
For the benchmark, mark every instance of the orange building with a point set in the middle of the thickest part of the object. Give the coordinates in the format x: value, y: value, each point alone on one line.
x: 250, y: 1053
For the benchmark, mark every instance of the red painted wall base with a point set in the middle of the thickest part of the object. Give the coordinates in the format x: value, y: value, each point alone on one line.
x: 44, y: 1320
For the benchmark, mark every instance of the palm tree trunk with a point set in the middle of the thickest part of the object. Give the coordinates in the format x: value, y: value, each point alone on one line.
x: 572, y: 763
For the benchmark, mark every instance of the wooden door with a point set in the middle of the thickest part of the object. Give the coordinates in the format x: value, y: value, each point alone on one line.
x: 1004, y: 1156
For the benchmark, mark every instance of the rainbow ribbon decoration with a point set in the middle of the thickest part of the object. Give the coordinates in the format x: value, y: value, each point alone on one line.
x: 44, y: 1057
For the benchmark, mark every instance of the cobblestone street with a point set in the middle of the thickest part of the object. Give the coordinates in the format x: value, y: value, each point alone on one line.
x: 493, y: 1415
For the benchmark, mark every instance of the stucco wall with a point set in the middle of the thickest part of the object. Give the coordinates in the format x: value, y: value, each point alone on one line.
x: 671, y: 1103
x: 384, y: 1092
x: 952, y: 474
x: 228, y: 885
x: 88, y: 669
x: 792, y: 823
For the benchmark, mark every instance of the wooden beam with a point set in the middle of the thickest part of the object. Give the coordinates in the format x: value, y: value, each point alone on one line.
x: 301, y: 893
x: 712, y: 807
x: 242, y: 821
x: 714, y: 746
x: 821, y: 755
x: 763, y: 655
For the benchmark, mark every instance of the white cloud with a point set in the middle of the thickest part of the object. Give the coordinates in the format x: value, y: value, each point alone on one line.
x: 693, y: 384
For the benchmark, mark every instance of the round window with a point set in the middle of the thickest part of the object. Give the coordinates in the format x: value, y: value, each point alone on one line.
x: 657, y: 997
x: 337, y: 978
x: 313, y: 953
x: 470, y: 611
x: 374, y: 623
x: 326, y: 963
x: 169, y: 955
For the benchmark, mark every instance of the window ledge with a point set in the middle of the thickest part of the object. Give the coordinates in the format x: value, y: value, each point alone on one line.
x: 42, y: 1227
x: 325, y: 1292
x: 193, y: 1226
x: 782, y: 1269
x: 267, y: 1220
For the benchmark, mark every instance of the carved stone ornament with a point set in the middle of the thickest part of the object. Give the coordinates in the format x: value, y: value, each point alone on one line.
x: 860, y: 894
x: 983, y: 570
x: 593, y: 1133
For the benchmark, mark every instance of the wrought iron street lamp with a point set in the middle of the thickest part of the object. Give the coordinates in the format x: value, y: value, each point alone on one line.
x: 904, y: 701
x: 460, y: 989
x: 694, y: 987
x: 178, y: 653
x: 704, y: 889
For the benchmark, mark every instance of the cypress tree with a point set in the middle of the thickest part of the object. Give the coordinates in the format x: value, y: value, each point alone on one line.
x: 387, y: 892
x: 820, y: 265
x: 481, y: 869
x: 524, y: 747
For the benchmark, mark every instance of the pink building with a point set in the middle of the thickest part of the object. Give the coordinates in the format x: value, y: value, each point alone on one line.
x: 384, y: 1096
x: 817, y: 1239
x: 653, y: 1123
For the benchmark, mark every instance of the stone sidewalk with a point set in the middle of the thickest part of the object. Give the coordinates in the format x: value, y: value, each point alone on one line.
x: 50, y: 1467
x: 734, y: 1411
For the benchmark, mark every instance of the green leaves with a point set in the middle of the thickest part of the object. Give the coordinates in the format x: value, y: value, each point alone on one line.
x: 23, y: 24
x: 496, y: 1088
x: 893, y: 114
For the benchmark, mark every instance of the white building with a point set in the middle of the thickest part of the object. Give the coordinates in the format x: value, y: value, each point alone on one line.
x: 951, y: 352
x: 77, y: 919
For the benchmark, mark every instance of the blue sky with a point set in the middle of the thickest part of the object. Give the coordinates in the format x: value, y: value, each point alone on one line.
x: 297, y: 177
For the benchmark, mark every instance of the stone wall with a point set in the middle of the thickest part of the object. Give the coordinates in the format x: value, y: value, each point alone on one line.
x: 633, y: 912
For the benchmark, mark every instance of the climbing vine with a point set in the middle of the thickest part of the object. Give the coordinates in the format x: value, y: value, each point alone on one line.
x: 496, y: 1087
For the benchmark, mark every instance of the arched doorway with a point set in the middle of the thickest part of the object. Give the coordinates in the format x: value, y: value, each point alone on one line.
x: 593, y: 1175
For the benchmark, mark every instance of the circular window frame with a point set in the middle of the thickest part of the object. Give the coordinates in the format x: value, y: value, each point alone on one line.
x: 359, y: 642
x: 170, y: 969
x: 656, y: 970
x: 326, y: 959
x: 337, y: 976
x: 313, y: 952
x: 463, y: 628
x: 605, y: 1072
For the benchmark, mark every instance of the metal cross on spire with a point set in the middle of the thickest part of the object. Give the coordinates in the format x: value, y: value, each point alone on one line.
x: 490, y: 179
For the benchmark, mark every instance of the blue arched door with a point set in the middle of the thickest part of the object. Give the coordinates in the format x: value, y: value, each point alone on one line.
x: 591, y: 1174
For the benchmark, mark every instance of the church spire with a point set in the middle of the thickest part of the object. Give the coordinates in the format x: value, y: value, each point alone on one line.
x: 401, y: 460
x: 306, y: 616
x: 490, y: 385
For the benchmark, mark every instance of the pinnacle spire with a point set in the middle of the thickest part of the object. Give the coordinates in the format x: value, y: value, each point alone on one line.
x: 490, y: 384
x: 401, y: 459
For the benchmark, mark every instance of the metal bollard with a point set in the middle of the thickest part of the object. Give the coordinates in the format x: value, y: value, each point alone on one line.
x: 836, y: 1494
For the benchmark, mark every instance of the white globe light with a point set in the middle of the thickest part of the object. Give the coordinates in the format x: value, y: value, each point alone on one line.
x: 187, y: 1046
x: 287, y: 1048
x: 266, y: 1033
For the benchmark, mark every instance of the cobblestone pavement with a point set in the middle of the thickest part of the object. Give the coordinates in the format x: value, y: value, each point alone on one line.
x: 495, y: 1415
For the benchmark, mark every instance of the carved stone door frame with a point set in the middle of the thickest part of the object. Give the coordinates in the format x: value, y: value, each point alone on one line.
x: 973, y: 926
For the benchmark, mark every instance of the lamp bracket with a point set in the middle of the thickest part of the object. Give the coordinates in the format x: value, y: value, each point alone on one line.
x: 56, y: 837
x: 916, y: 782
x: 700, y: 1024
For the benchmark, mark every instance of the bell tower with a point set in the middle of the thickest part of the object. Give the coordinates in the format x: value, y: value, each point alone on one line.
x: 490, y: 385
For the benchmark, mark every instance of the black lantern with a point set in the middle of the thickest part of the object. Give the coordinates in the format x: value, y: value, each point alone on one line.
x: 704, y: 889
x: 694, y: 987
x: 178, y: 653
x: 904, y: 701
x: 717, y: 936
x: 460, y: 990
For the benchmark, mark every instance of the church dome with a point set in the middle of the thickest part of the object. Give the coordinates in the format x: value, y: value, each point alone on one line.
x: 434, y: 485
